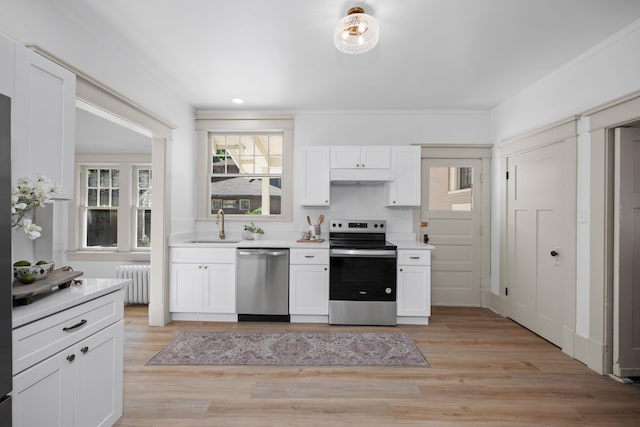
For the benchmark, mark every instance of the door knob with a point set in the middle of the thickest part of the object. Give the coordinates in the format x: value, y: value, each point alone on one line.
x: 554, y: 253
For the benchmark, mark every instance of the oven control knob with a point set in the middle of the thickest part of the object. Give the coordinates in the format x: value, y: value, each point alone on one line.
x: 375, y: 225
x: 388, y: 290
x: 381, y: 225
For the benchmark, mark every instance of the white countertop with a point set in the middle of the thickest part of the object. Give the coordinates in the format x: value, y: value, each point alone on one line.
x: 286, y: 243
x: 412, y: 244
x: 65, y: 298
x: 265, y: 243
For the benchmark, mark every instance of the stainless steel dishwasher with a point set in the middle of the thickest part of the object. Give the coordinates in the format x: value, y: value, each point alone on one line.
x: 262, y: 284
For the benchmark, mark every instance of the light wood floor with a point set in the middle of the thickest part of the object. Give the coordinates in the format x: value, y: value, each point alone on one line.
x: 485, y: 371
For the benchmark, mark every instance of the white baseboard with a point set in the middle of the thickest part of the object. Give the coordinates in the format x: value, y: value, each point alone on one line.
x: 207, y: 317
x: 308, y: 318
x: 412, y: 320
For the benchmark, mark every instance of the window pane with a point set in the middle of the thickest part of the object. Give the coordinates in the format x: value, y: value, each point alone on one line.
x: 102, y: 228
x: 92, y: 178
x: 445, y: 192
x: 105, y: 177
x: 104, y: 198
x: 143, y: 178
x: 263, y: 199
x: 115, y: 197
x: 92, y: 197
x: 145, y: 183
x: 144, y: 199
x: 254, y: 157
x: 275, y: 164
x: 115, y: 178
x: 143, y: 228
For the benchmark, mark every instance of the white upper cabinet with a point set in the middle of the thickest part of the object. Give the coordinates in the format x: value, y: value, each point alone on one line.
x: 404, y: 188
x: 360, y: 157
x: 7, y: 53
x: 315, y: 185
x: 43, y: 120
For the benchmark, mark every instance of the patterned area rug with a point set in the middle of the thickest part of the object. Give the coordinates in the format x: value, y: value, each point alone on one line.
x: 291, y: 349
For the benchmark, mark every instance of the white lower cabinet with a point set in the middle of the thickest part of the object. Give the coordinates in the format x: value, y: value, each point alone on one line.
x: 202, y: 281
x: 309, y: 285
x: 414, y: 286
x: 81, y: 385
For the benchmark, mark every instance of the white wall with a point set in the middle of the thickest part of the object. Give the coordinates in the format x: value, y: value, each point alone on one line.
x: 96, y: 52
x: 368, y: 128
x: 604, y: 73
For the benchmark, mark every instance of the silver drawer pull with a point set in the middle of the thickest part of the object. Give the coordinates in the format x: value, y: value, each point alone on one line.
x: 414, y: 257
x: 309, y: 256
x: 77, y: 325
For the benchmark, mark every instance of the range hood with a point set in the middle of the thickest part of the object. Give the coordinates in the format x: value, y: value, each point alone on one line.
x: 365, y: 176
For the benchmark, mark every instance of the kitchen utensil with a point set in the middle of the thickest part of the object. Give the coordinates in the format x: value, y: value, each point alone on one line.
x: 320, y: 219
x: 308, y: 220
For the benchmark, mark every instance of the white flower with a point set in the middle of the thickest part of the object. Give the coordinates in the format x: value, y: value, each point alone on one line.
x: 26, y: 197
x: 32, y: 230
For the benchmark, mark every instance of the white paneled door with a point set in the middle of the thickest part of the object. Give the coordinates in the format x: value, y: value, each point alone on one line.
x: 626, y: 279
x: 452, y: 212
x: 539, y: 184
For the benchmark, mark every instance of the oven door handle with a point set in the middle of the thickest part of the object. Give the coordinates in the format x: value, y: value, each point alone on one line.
x: 362, y: 253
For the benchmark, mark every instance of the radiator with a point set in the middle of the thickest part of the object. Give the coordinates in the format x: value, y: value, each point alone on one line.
x: 140, y: 274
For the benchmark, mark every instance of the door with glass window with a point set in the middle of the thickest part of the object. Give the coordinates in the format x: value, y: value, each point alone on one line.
x: 451, y: 216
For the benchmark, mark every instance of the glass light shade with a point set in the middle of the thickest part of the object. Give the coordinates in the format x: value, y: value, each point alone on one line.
x: 357, y: 32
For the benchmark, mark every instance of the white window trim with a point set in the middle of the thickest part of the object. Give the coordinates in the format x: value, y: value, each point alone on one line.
x: 206, y: 124
x: 126, y: 231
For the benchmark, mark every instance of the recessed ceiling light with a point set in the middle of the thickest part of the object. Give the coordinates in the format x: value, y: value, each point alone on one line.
x: 237, y: 101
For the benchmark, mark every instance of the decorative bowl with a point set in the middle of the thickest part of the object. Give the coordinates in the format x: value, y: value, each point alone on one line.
x: 39, y: 271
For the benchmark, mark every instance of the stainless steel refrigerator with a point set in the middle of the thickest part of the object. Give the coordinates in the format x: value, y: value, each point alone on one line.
x: 6, y: 274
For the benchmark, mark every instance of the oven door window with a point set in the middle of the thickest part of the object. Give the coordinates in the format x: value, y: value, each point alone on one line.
x: 362, y: 279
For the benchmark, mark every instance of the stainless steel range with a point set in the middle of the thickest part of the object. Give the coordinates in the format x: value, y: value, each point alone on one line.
x: 362, y: 279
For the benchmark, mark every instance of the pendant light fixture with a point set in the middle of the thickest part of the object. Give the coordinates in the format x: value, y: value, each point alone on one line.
x: 357, y: 32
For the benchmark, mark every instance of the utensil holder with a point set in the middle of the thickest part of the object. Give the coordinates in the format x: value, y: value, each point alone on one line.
x: 315, y: 231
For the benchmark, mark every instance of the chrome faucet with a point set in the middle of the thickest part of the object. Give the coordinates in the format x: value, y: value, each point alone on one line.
x: 220, y: 214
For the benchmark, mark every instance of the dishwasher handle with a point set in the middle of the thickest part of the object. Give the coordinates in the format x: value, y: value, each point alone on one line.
x: 267, y: 252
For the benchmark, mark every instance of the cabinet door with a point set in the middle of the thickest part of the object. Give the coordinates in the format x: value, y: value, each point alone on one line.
x: 98, y: 377
x: 316, y: 179
x: 345, y: 157
x: 43, y: 394
x: 7, y: 51
x: 43, y: 120
x: 186, y: 288
x: 414, y: 291
x: 309, y: 289
x: 375, y: 157
x: 220, y: 288
x: 404, y: 189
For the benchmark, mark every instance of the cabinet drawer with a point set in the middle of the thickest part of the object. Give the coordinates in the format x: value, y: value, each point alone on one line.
x: 204, y: 255
x: 309, y: 256
x: 38, y: 340
x: 414, y: 257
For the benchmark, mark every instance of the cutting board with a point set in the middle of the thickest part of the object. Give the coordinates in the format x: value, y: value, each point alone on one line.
x: 57, y: 279
x: 310, y: 241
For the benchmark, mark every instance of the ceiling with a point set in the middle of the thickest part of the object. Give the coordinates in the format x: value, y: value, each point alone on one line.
x: 279, y: 54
